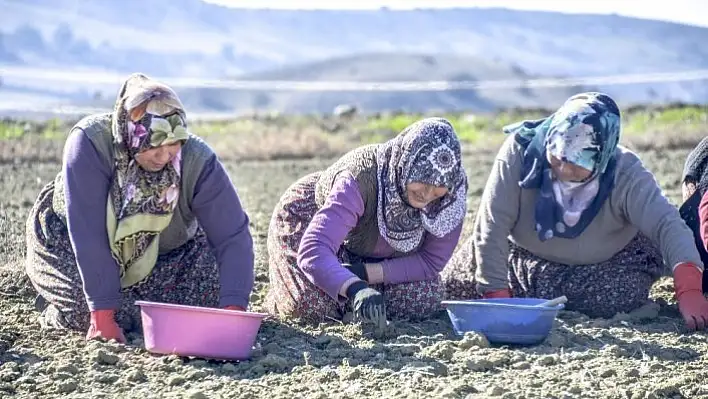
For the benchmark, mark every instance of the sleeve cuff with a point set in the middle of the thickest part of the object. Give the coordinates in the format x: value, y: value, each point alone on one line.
x: 345, y: 286
x: 673, y: 269
x: 104, y: 304
x: 374, y: 273
x: 487, y: 288
x: 237, y: 300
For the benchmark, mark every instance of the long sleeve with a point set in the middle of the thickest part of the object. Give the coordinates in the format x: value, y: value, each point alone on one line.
x: 317, y: 256
x: 426, y: 263
x: 86, y: 183
x: 646, y: 207
x: 218, y: 210
x: 703, y: 219
x: 497, y: 215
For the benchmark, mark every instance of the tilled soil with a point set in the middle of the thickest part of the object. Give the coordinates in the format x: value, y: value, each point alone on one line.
x: 642, y: 355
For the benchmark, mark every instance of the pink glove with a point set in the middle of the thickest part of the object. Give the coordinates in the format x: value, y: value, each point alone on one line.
x: 103, y: 324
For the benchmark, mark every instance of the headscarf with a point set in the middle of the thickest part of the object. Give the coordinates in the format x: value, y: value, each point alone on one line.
x: 695, y: 169
x: 584, y: 131
x: 427, y: 151
x: 147, y: 114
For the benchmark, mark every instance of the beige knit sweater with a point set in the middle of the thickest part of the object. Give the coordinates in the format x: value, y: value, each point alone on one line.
x: 636, y: 204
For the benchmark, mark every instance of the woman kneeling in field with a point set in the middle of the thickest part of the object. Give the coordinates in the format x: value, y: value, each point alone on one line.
x: 371, y: 233
x: 568, y: 211
x: 694, y: 209
x: 141, y: 210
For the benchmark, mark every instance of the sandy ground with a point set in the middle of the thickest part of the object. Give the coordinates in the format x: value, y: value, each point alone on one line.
x: 642, y: 355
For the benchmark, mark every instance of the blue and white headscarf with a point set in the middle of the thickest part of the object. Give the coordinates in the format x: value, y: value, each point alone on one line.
x: 584, y: 131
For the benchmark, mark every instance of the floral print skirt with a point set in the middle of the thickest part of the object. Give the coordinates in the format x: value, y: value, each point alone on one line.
x: 188, y: 275
x: 292, y: 295
x: 620, y: 284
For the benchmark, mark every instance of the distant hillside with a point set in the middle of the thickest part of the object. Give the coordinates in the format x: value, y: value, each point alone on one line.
x: 193, y: 38
x: 387, y: 67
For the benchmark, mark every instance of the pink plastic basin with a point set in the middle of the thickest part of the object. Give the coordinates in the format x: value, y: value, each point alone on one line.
x: 198, y: 331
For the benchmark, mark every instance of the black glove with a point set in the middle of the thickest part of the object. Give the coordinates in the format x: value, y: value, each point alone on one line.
x: 359, y: 269
x: 368, y: 303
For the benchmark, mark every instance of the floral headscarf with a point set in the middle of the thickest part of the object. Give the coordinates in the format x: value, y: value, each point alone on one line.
x: 584, y: 131
x: 427, y: 151
x: 147, y: 114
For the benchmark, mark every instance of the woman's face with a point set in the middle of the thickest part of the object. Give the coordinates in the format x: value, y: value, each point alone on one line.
x: 419, y: 195
x: 566, y: 171
x: 154, y: 159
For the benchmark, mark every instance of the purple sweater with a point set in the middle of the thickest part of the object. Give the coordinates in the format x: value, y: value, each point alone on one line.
x: 87, y: 178
x: 340, y: 213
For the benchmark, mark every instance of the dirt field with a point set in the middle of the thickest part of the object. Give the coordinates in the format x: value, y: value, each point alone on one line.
x: 644, y: 355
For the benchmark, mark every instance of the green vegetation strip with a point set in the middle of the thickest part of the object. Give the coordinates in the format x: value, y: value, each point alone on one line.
x: 472, y: 128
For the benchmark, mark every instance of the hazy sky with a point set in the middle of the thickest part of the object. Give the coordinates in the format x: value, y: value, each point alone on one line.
x: 693, y: 12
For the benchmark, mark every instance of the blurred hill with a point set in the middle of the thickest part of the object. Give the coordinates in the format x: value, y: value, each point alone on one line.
x: 197, y: 39
x: 386, y: 67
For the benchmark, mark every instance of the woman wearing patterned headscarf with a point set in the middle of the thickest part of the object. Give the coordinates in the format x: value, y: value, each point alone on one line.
x: 694, y: 209
x: 568, y: 211
x: 371, y: 233
x: 141, y: 210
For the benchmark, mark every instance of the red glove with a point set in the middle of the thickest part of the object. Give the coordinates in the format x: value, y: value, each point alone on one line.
x: 103, y: 324
x: 688, y: 285
x: 504, y: 293
x: 234, y: 307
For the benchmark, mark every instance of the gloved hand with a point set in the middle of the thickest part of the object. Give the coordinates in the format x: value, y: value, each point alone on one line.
x: 503, y: 293
x: 688, y: 285
x: 368, y: 303
x: 234, y: 307
x: 359, y: 269
x: 103, y: 324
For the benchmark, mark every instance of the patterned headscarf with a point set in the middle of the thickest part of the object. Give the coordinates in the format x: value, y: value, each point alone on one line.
x: 427, y: 151
x: 584, y: 131
x: 147, y: 114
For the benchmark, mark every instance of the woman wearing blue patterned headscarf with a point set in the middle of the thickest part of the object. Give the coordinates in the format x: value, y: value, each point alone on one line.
x: 568, y: 211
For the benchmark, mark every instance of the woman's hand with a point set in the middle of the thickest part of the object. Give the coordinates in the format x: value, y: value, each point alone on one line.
x: 693, y: 305
x: 234, y: 307
x: 103, y: 325
x: 368, y: 303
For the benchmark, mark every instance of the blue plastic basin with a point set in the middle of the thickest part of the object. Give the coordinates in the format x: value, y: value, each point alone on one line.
x: 503, y: 320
